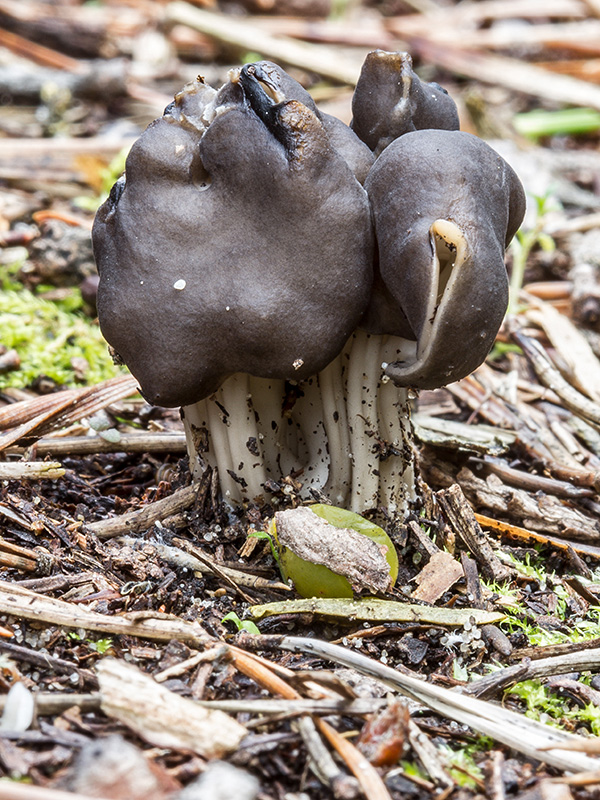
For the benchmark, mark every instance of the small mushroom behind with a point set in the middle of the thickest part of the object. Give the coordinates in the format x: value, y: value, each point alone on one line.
x: 391, y: 100
x: 445, y: 205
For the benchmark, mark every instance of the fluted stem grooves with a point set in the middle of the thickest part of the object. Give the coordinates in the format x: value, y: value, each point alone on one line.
x: 346, y: 431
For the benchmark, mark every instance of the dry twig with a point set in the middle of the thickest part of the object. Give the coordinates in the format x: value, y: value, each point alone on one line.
x: 22, y: 603
x: 514, y: 730
x: 144, y: 518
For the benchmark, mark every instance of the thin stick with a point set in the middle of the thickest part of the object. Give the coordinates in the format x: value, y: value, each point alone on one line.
x: 38, y: 53
x: 31, y: 470
x: 270, y: 705
x: 47, y: 704
x: 508, y: 72
x: 159, y: 442
x: 184, y: 554
x: 21, y: 603
x: 215, y: 568
x: 551, y: 377
x: 144, y: 518
x: 505, y: 726
x: 541, y: 668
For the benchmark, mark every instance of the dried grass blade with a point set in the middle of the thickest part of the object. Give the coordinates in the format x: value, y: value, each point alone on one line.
x: 508, y: 727
x: 551, y: 377
x: 574, y: 349
x: 27, y: 428
x: 94, y: 399
x: 488, y: 10
x: 26, y: 410
x: 43, y: 414
x: 368, y: 777
x: 277, y: 48
x: 586, y: 69
x: 512, y: 36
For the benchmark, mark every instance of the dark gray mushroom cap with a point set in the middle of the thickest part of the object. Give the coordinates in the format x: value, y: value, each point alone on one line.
x: 391, y: 100
x: 445, y: 206
x: 238, y: 242
x: 278, y: 84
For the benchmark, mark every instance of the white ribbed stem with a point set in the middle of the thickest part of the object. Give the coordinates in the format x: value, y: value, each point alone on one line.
x: 243, y: 434
x: 307, y: 414
x: 220, y: 450
x: 332, y: 436
x: 396, y: 472
x: 363, y: 379
x: 266, y: 396
x: 335, y: 420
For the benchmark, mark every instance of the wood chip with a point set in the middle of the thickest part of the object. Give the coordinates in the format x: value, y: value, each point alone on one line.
x: 461, y: 518
x: 161, y: 717
x: 436, y: 577
x: 31, y: 470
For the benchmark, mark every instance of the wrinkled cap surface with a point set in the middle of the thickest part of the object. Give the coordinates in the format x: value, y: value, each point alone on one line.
x: 278, y: 84
x: 445, y: 206
x: 391, y: 100
x: 239, y: 241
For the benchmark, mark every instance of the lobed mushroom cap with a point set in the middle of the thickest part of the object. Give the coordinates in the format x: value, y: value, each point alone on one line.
x: 239, y: 241
x: 391, y: 100
x: 445, y: 205
x: 279, y: 84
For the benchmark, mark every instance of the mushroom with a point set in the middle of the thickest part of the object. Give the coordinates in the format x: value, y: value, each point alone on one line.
x: 445, y: 205
x: 236, y: 280
x: 236, y: 255
x: 391, y: 100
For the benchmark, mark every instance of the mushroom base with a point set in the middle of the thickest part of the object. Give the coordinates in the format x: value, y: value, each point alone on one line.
x: 345, y: 432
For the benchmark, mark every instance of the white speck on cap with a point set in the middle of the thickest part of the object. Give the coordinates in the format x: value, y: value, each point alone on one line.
x: 179, y: 285
x: 297, y: 363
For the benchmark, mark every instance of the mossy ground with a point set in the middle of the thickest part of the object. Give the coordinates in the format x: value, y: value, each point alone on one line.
x: 48, y: 334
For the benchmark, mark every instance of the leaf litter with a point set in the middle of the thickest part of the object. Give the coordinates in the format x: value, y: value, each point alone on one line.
x: 117, y: 561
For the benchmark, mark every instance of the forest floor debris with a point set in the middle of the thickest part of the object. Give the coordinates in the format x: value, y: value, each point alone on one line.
x: 477, y: 673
